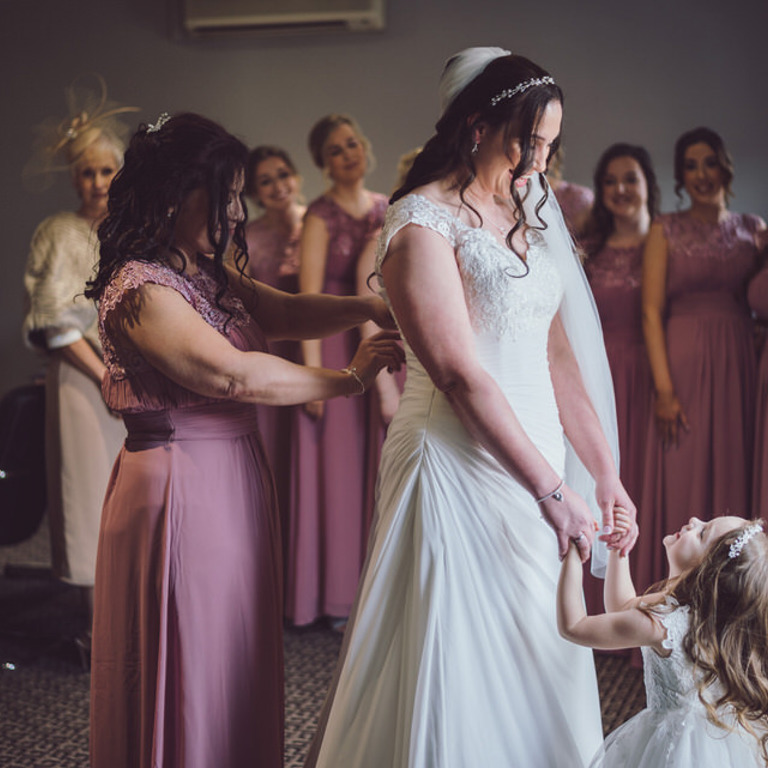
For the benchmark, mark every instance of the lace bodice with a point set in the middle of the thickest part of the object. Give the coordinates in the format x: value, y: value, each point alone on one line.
x: 615, y: 268
x: 501, y: 298
x: 347, y: 236
x: 706, y: 257
x: 614, y: 275
x: 132, y: 384
x: 273, y: 255
x: 669, y: 681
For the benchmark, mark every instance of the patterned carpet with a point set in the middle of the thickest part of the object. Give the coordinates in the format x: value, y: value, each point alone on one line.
x: 44, y: 691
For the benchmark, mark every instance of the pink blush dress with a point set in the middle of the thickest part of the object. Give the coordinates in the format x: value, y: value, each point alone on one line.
x: 614, y: 275
x: 335, y: 458
x: 758, y: 301
x: 187, y: 666
x: 273, y: 259
x: 712, y: 362
x: 575, y: 202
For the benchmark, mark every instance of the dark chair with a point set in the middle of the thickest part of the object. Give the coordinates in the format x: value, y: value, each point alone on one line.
x: 22, y: 463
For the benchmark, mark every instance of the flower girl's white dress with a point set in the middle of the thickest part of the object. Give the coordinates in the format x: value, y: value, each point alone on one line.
x: 673, y: 731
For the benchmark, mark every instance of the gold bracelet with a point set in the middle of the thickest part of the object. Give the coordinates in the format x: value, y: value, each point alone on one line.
x: 353, y: 372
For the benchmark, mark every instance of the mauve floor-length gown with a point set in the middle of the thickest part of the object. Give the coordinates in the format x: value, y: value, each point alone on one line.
x: 614, y: 274
x: 187, y: 666
x: 712, y: 362
x: 273, y: 259
x: 575, y: 203
x: 758, y: 301
x: 335, y: 458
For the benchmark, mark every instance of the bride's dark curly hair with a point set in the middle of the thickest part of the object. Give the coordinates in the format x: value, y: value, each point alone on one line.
x: 161, y: 168
x: 449, y: 152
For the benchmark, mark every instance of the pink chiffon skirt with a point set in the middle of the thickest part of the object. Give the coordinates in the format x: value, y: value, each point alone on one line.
x: 187, y: 668
x: 709, y: 472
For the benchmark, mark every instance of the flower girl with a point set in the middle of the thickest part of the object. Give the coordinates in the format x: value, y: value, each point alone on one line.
x: 704, y: 639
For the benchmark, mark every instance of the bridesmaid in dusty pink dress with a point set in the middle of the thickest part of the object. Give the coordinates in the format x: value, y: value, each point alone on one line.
x: 698, y: 333
x: 187, y: 665
x: 626, y: 201
x: 575, y: 201
x: 758, y: 301
x: 273, y: 183
x: 333, y: 471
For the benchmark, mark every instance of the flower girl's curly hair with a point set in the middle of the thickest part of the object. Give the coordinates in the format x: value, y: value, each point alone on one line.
x: 727, y: 640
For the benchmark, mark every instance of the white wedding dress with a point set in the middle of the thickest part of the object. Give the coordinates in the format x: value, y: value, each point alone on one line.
x: 452, y: 657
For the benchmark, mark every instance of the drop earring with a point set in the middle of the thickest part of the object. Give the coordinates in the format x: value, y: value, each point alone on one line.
x: 475, y: 147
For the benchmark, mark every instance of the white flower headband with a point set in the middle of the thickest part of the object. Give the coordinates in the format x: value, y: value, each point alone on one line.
x: 743, y: 538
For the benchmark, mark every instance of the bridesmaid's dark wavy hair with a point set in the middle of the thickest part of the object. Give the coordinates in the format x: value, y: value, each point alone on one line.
x: 161, y: 168
x: 600, y: 225
x: 449, y: 151
x: 703, y: 135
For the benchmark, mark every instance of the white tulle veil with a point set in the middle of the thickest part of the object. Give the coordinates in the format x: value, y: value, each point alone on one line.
x: 460, y: 70
x: 582, y: 326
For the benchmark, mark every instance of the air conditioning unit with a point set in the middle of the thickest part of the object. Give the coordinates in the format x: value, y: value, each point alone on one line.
x: 216, y: 17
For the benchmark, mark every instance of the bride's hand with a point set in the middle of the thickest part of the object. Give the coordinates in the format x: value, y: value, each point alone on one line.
x: 611, y: 495
x: 571, y: 521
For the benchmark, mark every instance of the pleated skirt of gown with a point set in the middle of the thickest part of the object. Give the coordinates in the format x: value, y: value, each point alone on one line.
x: 709, y: 472
x: 331, y: 505
x: 452, y: 657
x: 188, y: 672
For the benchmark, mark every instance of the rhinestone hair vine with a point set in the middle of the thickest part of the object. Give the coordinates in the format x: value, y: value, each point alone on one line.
x: 743, y: 538
x: 521, y: 88
x: 161, y: 121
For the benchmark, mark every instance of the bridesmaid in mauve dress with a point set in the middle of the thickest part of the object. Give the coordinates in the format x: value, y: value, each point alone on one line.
x: 337, y: 444
x: 273, y: 182
x: 575, y: 201
x: 627, y: 199
x: 758, y: 301
x: 187, y: 668
x: 699, y: 337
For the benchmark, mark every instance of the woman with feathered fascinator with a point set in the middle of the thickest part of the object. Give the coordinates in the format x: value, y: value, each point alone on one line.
x: 82, y: 437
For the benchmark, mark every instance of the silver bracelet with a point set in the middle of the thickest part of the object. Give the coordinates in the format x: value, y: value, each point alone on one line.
x: 557, y: 494
x: 353, y: 372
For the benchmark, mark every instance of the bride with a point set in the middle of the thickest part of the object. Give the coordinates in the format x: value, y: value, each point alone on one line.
x: 452, y: 658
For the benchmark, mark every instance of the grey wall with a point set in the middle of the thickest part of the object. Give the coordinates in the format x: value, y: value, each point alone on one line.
x: 640, y: 72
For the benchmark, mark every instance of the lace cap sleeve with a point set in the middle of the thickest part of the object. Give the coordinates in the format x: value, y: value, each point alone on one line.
x: 133, y: 275
x: 675, y: 618
x: 414, y: 209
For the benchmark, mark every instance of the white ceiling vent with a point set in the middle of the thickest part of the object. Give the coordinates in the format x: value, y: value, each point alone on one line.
x: 216, y: 17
